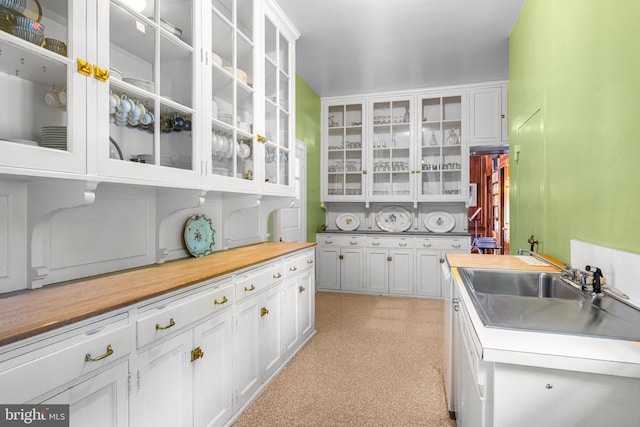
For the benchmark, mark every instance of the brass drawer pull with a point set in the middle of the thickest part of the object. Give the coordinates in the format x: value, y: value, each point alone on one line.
x: 294, y: 268
x: 456, y: 246
x: 402, y: 245
x: 88, y: 358
x: 251, y: 288
x: 375, y: 243
x: 301, y: 289
x: 389, y: 259
x: 426, y: 245
x: 353, y: 243
x: 196, y: 354
x: 309, y: 261
x: 224, y: 299
x: 171, y: 324
x: 328, y: 242
x: 277, y: 276
x: 263, y: 311
x: 101, y: 74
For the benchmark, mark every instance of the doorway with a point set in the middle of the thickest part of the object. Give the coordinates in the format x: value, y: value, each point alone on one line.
x: 489, y: 210
x: 290, y: 224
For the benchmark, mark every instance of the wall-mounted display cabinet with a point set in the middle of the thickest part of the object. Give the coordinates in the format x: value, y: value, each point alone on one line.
x: 195, y: 93
x: 402, y: 147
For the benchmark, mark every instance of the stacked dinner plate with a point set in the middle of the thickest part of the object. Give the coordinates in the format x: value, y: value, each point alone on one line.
x: 54, y: 137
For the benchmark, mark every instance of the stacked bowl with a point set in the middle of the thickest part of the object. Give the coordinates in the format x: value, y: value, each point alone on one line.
x: 28, y: 29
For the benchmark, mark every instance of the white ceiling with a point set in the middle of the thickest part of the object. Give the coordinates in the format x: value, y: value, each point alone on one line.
x: 361, y: 46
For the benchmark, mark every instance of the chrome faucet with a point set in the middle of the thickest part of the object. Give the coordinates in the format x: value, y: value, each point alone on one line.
x: 569, y: 273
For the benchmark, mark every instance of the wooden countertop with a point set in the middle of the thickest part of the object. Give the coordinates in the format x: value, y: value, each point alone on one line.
x: 32, y: 312
x: 500, y: 262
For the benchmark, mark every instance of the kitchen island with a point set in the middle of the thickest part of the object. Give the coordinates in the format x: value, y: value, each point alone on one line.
x: 502, y: 376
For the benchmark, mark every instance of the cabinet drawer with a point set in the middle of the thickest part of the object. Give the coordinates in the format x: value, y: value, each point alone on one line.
x: 390, y: 242
x: 340, y: 240
x: 299, y: 262
x: 40, y: 370
x: 172, y: 315
x: 457, y: 244
x: 258, y: 280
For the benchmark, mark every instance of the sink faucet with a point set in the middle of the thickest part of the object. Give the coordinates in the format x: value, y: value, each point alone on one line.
x: 597, y: 279
x: 567, y: 272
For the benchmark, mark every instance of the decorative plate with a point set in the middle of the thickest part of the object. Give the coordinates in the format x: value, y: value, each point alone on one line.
x: 394, y: 218
x: 347, y: 222
x: 199, y: 235
x: 439, y: 222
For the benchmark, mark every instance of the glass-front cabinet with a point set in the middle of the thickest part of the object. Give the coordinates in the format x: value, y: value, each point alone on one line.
x: 231, y: 96
x: 390, y: 150
x: 442, y: 164
x: 148, y: 96
x: 279, y: 105
x: 344, y: 150
x: 43, y: 121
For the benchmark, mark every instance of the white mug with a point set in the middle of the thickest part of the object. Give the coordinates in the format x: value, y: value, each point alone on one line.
x: 62, y: 96
x: 51, y: 98
x: 125, y: 105
x: 114, y: 101
x: 147, y: 119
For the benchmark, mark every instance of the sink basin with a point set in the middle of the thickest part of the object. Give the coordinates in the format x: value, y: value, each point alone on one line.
x: 543, y: 302
x: 519, y: 283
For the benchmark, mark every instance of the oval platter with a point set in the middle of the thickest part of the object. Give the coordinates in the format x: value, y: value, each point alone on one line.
x: 199, y: 235
x: 347, y: 222
x: 439, y: 222
x: 394, y: 219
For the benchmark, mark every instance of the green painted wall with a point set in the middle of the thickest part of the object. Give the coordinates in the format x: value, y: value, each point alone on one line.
x: 308, y: 131
x: 577, y: 62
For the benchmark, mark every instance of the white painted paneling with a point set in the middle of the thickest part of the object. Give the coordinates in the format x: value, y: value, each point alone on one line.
x: 242, y: 227
x: 116, y: 232
x: 621, y: 269
x: 13, y: 242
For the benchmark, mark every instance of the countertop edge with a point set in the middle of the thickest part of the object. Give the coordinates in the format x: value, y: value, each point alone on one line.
x: 28, y: 313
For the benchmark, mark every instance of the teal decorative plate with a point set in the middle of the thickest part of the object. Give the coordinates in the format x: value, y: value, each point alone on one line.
x: 199, y: 235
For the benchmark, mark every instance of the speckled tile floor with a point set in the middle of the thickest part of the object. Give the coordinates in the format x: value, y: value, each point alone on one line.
x: 375, y: 361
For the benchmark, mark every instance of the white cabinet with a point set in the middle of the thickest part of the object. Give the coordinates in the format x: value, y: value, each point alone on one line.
x: 341, y: 262
x: 101, y: 400
x: 430, y: 254
x: 390, y: 150
x: 186, y: 378
x: 343, y: 151
x: 488, y: 116
x: 389, y: 265
x: 306, y: 304
x: 44, y: 124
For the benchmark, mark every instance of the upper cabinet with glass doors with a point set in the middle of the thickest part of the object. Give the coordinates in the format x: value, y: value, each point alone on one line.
x: 390, y: 150
x: 343, y: 151
x: 279, y: 102
x: 147, y: 108
x: 230, y: 94
x: 43, y: 121
x: 443, y: 160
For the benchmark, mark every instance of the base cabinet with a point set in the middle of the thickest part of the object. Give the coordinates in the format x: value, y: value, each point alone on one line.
x: 389, y: 264
x: 192, y: 358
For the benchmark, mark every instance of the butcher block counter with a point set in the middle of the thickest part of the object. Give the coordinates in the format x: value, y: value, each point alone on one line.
x: 32, y: 312
x: 498, y: 262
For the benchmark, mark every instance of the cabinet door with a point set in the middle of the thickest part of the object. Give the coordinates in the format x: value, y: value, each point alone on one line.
x: 279, y: 103
x: 401, y: 271
x: 289, y: 327
x: 101, y: 400
x: 351, y: 264
x: 43, y: 125
x: 165, y: 383
x: 343, y: 151
x: 329, y: 265
x: 443, y: 161
x: 246, y: 362
x: 230, y: 97
x: 378, y: 262
x: 306, y: 304
x: 270, y: 342
x: 212, y: 405
x: 146, y: 105
x: 428, y: 273
x: 486, y: 116
x: 390, y: 150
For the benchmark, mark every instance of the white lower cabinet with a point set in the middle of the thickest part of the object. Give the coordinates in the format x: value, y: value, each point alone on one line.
x: 100, y: 401
x: 396, y: 265
x: 202, y: 353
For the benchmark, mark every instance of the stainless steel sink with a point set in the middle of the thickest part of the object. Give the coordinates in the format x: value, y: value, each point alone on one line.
x: 519, y: 283
x: 543, y: 302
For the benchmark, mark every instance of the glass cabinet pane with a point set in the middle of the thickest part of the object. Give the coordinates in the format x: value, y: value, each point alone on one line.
x: 151, y: 84
x: 344, y: 150
x: 441, y: 146
x: 35, y: 78
x: 232, y: 97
